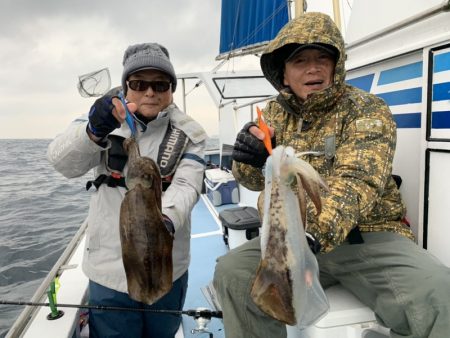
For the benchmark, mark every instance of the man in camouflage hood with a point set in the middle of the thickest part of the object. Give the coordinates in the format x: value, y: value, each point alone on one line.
x: 361, y: 237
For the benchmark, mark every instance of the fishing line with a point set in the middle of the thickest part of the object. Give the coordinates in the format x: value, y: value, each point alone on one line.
x: 197, y: 313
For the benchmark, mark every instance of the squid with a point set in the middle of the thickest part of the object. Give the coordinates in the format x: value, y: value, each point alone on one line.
x: 146, y: 242
x: 286, y: 285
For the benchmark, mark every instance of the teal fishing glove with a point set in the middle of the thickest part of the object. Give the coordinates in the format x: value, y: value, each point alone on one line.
x: 101, y: 120
x: 249, y: 149
x: 313, y: 243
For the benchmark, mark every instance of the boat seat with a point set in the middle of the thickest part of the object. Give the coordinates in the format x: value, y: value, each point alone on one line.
x: 347, y: 318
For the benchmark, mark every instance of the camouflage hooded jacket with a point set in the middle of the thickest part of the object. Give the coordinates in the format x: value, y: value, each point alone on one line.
x: 352, y: 130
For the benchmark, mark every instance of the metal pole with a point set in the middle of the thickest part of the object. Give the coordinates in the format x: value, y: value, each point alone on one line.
x: 299, y: 8
x: 337, y: 14
x: 184, y: 95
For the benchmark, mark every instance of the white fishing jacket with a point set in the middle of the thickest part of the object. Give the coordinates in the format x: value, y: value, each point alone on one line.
x: 73, y: 154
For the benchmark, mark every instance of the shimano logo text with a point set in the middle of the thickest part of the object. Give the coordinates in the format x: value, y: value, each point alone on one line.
x: 168, y: 150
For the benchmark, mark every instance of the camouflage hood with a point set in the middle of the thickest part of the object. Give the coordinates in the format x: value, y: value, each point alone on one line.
x: 309, y: 28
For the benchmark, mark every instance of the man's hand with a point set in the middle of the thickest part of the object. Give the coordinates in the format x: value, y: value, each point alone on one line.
x: 249, y: 147
x: 106, y: 114
x: 313, y: 243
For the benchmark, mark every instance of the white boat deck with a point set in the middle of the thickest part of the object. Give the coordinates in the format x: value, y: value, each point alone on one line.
x: 73, y: 290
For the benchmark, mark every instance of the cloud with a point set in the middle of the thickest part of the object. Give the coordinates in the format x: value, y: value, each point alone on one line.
x: 46, y: 45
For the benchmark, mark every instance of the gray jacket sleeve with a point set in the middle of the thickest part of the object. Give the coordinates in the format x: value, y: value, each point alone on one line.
x: 185, y: 189
x: 73, y: 153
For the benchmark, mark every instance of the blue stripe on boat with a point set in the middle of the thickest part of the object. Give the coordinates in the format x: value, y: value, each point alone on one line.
x: 404, y: 96
x: 362, y: 82
x: 441, y: 91
x: 440, y: 120
x: 410, y: 120
x: 441, y: 62
x: 406, y: 72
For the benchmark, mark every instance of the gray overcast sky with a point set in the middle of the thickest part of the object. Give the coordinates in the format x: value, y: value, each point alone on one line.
x: 45, y: 45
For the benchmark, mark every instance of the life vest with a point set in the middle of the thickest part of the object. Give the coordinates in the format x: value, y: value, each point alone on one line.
x: 170, y: 153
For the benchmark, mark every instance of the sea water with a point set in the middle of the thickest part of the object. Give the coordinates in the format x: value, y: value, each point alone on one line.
x: 40, y: 211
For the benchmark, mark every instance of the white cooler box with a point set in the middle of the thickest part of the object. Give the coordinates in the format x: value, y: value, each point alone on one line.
x: 221, y: 187
x: 347, y: 318
x: 239, y: 225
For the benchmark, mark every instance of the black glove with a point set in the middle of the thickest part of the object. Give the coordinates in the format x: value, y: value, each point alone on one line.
x: 249, y: 149
x: 101, y: 119
x: 313, y: 243
x: 169, y: 225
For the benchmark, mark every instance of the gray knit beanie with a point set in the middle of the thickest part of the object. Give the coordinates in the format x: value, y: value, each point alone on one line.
x: 147, y: 56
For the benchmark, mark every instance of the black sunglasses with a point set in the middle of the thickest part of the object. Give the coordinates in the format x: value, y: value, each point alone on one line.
x: 142, y: 85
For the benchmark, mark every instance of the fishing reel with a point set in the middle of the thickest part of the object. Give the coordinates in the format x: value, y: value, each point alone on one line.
x: 202, y: 317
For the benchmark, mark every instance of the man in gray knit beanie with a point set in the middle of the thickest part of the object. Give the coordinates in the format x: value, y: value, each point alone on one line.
x: 147, y: 56
x: 146, y: 112
x: 148, y: 72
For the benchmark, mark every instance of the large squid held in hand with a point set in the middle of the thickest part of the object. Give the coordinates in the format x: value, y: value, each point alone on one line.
x: 286, y: 286
x: 146, y: 243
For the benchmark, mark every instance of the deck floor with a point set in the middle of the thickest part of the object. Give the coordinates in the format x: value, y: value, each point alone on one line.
x: 206, y: 245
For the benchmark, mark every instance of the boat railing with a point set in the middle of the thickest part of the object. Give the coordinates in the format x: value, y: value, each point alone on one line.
x: 227, y: 103
x: 251, y: 103
x: 24, y: 318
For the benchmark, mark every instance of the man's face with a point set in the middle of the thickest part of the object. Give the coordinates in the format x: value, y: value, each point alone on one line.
x: 149, y: 101
x: 309, y: 71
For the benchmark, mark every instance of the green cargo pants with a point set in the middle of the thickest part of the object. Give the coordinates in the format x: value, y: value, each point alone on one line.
x: 407, y: 288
